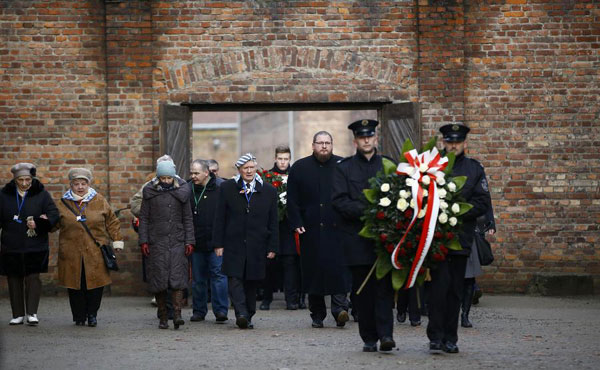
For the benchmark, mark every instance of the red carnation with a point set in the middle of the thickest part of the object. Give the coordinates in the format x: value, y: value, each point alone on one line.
x: 449, y: 236
x: 399, y: 225
x: 265, y: 171
x: 408, y: 213
x: 383, y: 237
x: 402, y: 252
x: 438, y: 235
x: 438, y: 257
x: 380, y: 215
x: 276, y: 184
x: 443, y: 249
x: 389, y: 247
x: 269, y: 175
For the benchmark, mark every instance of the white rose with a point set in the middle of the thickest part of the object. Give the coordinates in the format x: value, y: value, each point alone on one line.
x: 404, y: 194
x: 282, y: 195
x: 442, y: 193
x: 452, y: 187
x: 425, y: 180
x: 384, y: 202
x: 409, y: 181
x: 440, y: 181
x: 422, y: 212
x: 443, y: 218
x: 425, y: 193
x: 402, y: 204
x: 443, y: 205
x: 455, y: 208
x: 452, y: 221
x: 413, y: 204
x: 423, y: 167
x: 283, y: 201
x: 385, y: 187
x: 284, y: 179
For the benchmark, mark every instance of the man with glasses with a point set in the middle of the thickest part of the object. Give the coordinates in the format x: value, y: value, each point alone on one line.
x: 311, y: 216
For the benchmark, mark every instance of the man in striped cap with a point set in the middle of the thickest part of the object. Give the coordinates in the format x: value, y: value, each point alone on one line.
x: 246, y: 229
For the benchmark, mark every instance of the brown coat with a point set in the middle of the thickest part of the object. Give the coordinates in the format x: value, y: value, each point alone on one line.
x: 75, y: 246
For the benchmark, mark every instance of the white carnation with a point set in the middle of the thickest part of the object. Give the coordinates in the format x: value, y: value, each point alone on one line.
x: 409, y: 181
x: 452, y: 221
x: 282, y: 195
x: 413, y: 204
x: 425, y: 180
x: 443, y: 218
x: 443, y: 205
x: 422, y: 212
x: 402, y: 204
x: 384, y: 202
x: 452, y: 187
x: 385, y: 187
x: 455, y: 208
x: 284, y: 179
x: 442, y: 193
x: 283, y: 200
x: 404, y: 194
x: 423, y: 167
x: 440, y: 181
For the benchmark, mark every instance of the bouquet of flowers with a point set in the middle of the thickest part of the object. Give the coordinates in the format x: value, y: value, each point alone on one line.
x: 279, y: 181
x: 414, y: 214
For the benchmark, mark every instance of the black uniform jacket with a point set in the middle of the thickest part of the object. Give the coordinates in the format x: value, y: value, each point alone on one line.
x: 204, y: 212
x: 351, y: 176
x: 309, y: 205
x: 246, y: 231
x: 476, y: 192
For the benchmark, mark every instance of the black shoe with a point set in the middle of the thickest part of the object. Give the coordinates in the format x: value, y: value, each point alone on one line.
x: 197, y: 317
x: 92, y: 320
x: 342, y: 318
x: 415, y: 323
x: 476, y: 295
x: 464, y: 321
x: 386, y: 344
x: 317, y: 323
x: 370, y: 347
x: 265, y: 305
x: 435, y: 346
x: 242, y: 322
x: 221, y: 317
x: 401, y: 317
x: 301, y: 305
x: 450, y: 347
x: 291, y: 306
x: 80, y: 323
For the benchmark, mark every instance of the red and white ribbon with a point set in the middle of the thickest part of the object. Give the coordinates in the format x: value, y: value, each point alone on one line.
x: 427, y: 164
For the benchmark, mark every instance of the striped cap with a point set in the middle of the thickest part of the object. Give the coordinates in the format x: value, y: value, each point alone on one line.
x: 243, y: 159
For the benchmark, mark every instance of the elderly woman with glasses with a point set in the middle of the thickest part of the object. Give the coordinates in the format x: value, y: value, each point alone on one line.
x: 81, y: 267
x: 27, y: 213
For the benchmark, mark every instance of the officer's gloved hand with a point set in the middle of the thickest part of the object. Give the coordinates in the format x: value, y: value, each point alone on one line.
x: 145, y: 249
x: 189, y: 249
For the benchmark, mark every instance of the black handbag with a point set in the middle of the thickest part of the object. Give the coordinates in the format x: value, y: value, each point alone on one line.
x: 484, y: 249
x: 108, y: 253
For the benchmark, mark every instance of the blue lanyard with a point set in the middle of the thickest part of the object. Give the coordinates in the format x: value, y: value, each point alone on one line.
x: 247, y: 197
x: 81, y: 209
x: 20, y: 204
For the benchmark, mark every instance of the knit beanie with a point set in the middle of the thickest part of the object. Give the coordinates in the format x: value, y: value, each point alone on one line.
x: 165, y: 168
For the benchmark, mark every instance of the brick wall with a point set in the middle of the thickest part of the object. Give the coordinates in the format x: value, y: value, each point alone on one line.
x: 82, y: 81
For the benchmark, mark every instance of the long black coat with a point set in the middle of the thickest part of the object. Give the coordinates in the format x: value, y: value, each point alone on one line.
x: 20, y: 254
x: 351, y: 176
x: 166, y: 225
x: 204, y: 213
x: 247, y: 233
x: 476, y: 192
x: 309, y: 206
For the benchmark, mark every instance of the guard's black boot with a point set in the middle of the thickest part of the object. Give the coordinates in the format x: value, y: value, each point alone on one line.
x: 466, y: 305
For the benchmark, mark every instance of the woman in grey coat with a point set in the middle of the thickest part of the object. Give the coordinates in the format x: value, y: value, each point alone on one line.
x: 166, y: 237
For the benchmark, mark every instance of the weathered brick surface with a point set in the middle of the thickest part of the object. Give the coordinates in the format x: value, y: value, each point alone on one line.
x: 82, y: 81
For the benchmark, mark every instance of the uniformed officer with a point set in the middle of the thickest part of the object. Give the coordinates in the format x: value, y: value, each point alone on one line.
x: 376, y: 301
x: 448, y: 277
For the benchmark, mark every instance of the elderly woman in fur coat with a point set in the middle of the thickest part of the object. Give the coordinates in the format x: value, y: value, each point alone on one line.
x: 81, y: 267
x: 166, y: 237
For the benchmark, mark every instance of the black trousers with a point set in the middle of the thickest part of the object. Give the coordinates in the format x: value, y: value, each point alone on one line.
x: 24, y: 292
x: 84, y: 302
x: 444, y: 299
x: 410, y: 299
x: 291, y: 278
x: 375, y: 305
x: 243, y: 296
x: 318, y: 309
x: 272, y: 279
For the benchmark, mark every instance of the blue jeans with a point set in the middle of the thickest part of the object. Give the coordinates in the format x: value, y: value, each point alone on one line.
x: 205, y: 266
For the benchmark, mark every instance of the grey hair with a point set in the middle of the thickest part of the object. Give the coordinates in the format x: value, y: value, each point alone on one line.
x: 212, y: 162
x: 322, y: 133
x: 164, y: 158
x: 202, y: 163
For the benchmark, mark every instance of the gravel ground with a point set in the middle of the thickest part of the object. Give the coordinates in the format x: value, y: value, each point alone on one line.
x: 509, y: 332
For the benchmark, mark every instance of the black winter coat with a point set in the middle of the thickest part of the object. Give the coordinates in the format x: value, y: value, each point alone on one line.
x: 204, y: 213
x: 309, y: 205
x: 476, y: 192
x: 15, y: 241
x: 246, y: 232
x: 351, y: 176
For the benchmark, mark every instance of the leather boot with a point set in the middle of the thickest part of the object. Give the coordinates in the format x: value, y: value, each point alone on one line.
x: 302, y: 301
x: 177, y: 302
x: 466, y: 305
x: 161, y: 302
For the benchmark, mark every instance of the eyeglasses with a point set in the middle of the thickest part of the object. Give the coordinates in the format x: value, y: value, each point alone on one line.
x: 322, y: 143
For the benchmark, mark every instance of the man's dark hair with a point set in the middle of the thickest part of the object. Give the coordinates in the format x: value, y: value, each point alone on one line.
x: 322, y: 133
x: 282, y: 149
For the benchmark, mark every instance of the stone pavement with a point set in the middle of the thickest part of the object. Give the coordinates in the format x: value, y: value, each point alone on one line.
x: 510, y: 332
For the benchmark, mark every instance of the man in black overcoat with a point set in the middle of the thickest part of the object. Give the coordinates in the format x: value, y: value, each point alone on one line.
x: 311, y: 215
x: 376, y: 301
x: 447, y: 278
x: 246, y: 229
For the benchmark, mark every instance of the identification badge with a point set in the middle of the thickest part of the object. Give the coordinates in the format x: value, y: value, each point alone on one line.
x: 16, y: 218
x: 248, y: 210
x: 195, y: 212
x: 81, y: 218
